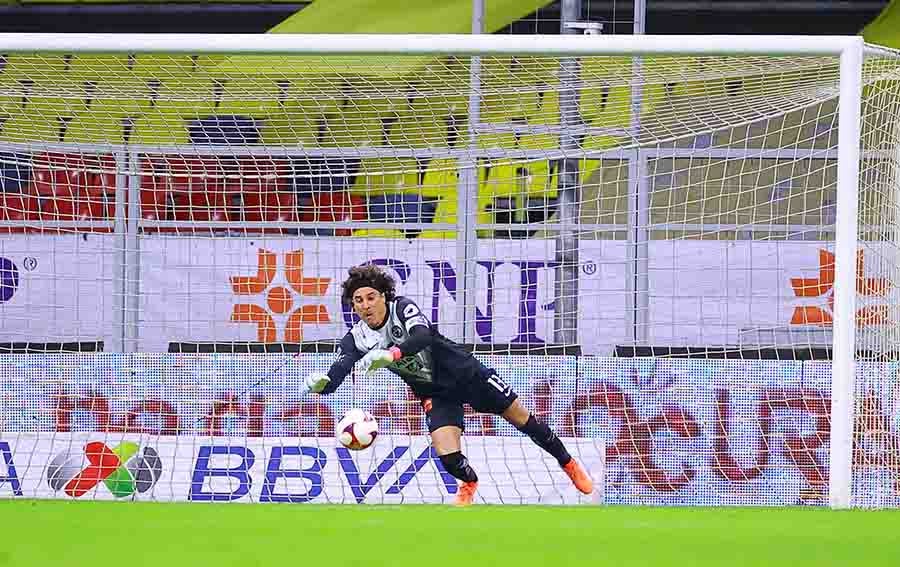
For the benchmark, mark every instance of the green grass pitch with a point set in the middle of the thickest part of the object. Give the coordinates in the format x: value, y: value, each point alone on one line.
x: 97, y: 534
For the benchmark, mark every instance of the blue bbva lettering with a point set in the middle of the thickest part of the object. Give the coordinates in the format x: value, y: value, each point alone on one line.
x: 12, y: 477
x: 313, y: 474
x: 202, y: 471
x: 429, y: 454
x: 360, y: 489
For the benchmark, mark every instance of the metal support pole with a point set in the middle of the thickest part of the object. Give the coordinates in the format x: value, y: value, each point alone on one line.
x: 638, y: 285
x: 843, y: 365
x: 467, y: 195
x: 640, y: 17
x: 117, y: 335
x: 638, y: 250
x: 132, y: 256
x: 565, y: 320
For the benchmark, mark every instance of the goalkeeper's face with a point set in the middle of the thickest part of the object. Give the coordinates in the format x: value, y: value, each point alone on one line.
x: 370, y: 305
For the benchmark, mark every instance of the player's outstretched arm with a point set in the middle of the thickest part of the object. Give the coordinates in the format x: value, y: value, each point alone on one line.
x: 348, y: 355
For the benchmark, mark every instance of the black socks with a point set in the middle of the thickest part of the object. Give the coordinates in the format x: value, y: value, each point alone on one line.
x: 544, y: 438
x: 458, y: 466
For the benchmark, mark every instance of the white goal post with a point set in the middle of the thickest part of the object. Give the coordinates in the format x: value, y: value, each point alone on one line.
x: 828, y: 70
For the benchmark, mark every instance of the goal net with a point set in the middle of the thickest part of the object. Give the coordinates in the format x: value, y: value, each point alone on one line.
x: 642, y: 246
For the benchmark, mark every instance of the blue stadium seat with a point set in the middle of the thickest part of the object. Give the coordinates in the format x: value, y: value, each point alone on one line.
x: 400, y: 207
x: 15, y: 172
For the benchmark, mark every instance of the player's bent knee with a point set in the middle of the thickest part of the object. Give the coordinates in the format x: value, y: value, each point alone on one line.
x: 446, y: 439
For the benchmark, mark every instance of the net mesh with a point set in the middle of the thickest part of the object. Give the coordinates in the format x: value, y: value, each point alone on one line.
x: 573, y: 209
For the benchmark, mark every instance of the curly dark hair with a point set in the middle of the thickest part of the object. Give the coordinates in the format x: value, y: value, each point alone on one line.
x: 367, y: 275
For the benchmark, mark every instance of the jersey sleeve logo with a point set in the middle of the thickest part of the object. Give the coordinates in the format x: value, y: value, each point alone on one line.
x: 413, y: 317
x: 396, y: 332
x: 410, y: 310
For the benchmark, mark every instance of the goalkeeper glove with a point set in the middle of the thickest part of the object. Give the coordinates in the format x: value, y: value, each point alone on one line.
x: 315, y: 383
x: 380, y: 358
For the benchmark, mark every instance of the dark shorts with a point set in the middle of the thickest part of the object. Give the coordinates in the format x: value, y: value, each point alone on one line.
x: 486, y: 394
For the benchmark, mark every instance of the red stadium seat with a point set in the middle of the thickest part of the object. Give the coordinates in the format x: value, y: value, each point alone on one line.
x: 102, y: 172
x: 155, y: 189
x: 253, y: 174
x: 201, y: 205
x: 256, y: 189
x: 17, y: 207
x: 269, y: 206
x: 56, y: 174
x: 74, y: 187
x: 332, y: 206
x: 96, y: 204
x: 58, y: 207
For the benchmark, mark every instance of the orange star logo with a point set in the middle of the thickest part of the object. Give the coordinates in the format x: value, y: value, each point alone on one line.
x: 823, y: 287
x: 279, y: 299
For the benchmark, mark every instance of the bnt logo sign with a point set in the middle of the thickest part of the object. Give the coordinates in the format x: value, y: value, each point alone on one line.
x: 823, y: 287
x: 124, y: 470
x: 279, y: 299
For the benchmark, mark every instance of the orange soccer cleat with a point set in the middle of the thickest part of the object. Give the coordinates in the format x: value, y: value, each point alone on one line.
x: 465, y: 496
x: 579, y: 477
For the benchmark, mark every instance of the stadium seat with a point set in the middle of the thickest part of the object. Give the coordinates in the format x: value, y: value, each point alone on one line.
x: 498, y: 141
x: 400, y: 208
x: 257, y: 190
x: 96, y: 203
x: 429, y: 103
x: 440, y: 186
x: 418, y: 132
x: 379, y: 233
x: 197, y: 186
x: 514, y: 179
x: 183, y: 189
x: 505, y: 106
x: 22, y: 127
x: 33, y: 66
x: 546, y: 142
x: 269, y: 206
x: 519, y: 192
x: 256, y: 174
x: 292, y: 125
x: 331, y: 206
x: 379, y: 176
x: 66, y: 190
x: 175, y: 67
x: 606, y: 106
x: 299, y: 121
x: 15, y: 172
x: 57, y: 175
x: 352, y: 127
x: 10, y: 105
x: 322, y: 175
x: 17, y: 207
x: 167, y: 123
x: 56, y: 107
x: 156, y: 203
x: 97, y: 67
x: 546, y: 106
x: 393, y: 191
x: 105, y: 122
x: 243, y: 109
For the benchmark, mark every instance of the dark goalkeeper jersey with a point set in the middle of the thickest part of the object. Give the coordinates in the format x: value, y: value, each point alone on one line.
x: 431, y: 364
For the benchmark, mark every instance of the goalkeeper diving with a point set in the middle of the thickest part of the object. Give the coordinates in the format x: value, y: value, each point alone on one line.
x: 394, y: 334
